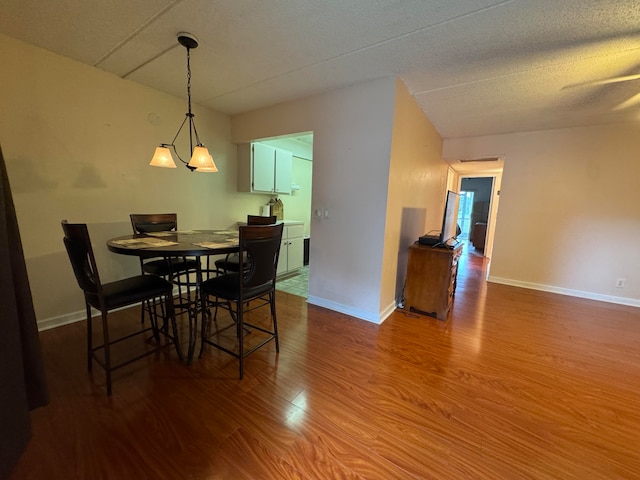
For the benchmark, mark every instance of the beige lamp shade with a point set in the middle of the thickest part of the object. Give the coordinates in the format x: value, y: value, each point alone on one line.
x: 208, y: 169
x: 201, y: 158
x: 162, y: 158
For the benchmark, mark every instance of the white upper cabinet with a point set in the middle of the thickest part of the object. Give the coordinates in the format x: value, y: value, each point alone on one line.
x: 283, y: 171
x: 264, y: 161
x: 264, y: 169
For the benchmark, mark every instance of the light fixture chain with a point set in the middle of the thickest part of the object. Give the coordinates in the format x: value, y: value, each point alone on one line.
x: 189, y: 78
x: 192, y: 123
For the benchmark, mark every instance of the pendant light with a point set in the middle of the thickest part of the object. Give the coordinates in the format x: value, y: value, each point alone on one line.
x: 201, y: 159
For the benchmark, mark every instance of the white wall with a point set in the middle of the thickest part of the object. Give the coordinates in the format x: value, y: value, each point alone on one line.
x: 77, y: 142
x: 352, y: 130
x: 568, y: 220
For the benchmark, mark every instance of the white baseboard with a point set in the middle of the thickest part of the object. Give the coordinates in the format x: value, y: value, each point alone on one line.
x: 79, y: 316
x: 72, y: 318
x: 65, y: 319
x: 378, y: 319
x: 632, y: 302
x: 387, y: 311
x: 352, y: 312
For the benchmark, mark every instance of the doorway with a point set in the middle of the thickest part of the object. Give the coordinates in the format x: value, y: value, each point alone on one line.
x: 489, y: 170
x: 474, y: 212
x: 297, y: 208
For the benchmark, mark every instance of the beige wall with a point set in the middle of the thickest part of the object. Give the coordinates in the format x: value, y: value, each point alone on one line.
x: 352, y: 130
x: 297, y: 206
x: 417, y: 179
x: 568, y: 218
x: 77, y: 142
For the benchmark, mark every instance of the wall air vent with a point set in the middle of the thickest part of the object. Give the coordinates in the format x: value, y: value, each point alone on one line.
x: 487, y: 159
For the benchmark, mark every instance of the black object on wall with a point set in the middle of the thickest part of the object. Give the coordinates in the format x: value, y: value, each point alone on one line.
x: 306, y: 251
x: 22, y: 379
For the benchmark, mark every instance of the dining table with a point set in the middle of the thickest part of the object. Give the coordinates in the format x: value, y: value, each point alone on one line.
x: 187, y: 243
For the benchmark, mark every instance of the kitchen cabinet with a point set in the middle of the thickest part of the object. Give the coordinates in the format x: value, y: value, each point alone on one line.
x: 264, y: 169
x: 292, y: 248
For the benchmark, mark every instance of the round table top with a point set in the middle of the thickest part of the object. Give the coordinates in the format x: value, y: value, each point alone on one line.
x: 176, y: 244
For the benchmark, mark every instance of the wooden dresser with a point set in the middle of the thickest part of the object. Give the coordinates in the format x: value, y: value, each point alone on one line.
x: 431, y: 280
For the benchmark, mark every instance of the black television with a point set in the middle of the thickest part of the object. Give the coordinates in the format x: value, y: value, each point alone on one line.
x: 449, y: 231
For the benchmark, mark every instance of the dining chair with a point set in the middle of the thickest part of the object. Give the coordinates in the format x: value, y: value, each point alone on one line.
x: 178, y: 270
x: 260, y: 247
x: 106, y: 297
x: 231, y: 261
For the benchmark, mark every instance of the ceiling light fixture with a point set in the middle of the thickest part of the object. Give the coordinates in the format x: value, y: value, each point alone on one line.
x: 201, y: 160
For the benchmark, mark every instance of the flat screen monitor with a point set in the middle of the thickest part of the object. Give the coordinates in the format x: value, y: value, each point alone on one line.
x: 450, y: 218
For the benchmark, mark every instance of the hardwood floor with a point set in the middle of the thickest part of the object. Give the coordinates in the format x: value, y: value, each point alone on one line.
x: 515, y: 384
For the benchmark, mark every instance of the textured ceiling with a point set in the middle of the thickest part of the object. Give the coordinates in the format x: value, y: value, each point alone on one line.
x: 475, y: 66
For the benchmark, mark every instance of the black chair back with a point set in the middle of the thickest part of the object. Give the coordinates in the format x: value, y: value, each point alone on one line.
x: 253, y: 286
x: 261, y: 243
x: 177, y: 269
x: 231, y: 263
x: 259, y: 220
x: 78, y: 245
x: 154, y: 222
x: 144, y: 289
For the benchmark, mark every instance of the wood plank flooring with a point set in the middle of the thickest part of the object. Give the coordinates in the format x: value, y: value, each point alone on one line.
x: 516, y: 384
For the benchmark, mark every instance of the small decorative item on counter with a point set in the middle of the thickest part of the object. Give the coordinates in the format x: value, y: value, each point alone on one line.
x: 277, y: 208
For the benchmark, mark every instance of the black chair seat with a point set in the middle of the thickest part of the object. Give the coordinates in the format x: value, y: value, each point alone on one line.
x: 131, y: 290
x: 226, y: 287
x: 229, y: 264
x: 166, y: 266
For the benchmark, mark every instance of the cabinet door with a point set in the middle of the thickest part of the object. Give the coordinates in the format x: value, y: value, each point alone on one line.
x: 295, y: 253
x: 263, y: 168
x: 284, y: 160
x: 282, y: 259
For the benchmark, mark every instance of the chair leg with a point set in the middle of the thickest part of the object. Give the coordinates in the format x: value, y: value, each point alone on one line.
x: 143, y: 306
x: 153, y: 318
x: 171, y: 314
x: 205, y: 322
x: 164, y: 315
x: 89, y: 339
x: 240, y: 338
x: 107, y: 350
x: 272, y: 301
